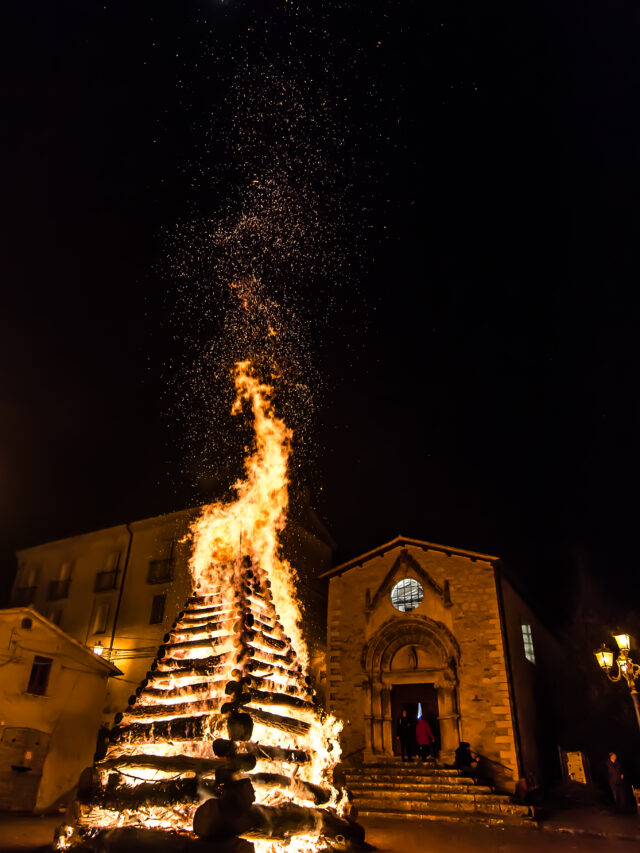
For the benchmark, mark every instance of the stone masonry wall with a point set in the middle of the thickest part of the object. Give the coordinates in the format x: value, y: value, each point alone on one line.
x: 484, y: 692
x: 472, y: 617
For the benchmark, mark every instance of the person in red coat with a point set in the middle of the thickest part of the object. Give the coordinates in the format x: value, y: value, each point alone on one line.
x: 425, y: 738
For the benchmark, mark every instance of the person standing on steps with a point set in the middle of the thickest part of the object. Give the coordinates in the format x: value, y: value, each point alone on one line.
x: 616, y: 782
x: 405, y: 733
x: 425, y: 739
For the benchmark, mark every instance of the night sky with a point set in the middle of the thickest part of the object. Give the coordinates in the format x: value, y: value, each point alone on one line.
x: 479, y: 357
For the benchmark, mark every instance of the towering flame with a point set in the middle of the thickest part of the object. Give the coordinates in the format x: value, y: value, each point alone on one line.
x: 224, y: 738
x: 252, y: 523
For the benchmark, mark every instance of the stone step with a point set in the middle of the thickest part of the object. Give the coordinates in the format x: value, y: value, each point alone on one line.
x: 449, y: 817
x: 437, y: 787
x: 421, y: 796
x: 408, y: 768
x: 457, y: 806
x: 409, y: 778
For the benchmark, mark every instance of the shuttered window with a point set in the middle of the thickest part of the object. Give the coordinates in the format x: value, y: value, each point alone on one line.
x: 39, y: 677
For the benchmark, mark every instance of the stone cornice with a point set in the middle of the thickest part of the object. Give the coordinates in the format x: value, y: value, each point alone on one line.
x: 404, y: 541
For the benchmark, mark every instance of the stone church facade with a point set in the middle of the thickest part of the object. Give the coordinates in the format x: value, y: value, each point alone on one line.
x: 419, y: 625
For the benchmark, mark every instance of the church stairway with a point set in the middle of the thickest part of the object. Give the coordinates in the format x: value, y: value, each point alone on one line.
x: 429, y: 792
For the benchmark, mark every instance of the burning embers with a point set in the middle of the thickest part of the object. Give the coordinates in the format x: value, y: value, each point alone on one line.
x: 224, y: 738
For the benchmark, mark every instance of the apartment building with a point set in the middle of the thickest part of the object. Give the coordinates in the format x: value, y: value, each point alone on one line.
x: 118, y: 590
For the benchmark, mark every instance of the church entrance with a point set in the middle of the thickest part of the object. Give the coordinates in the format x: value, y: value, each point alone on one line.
x: 411, y: 661
x: 420, y: 700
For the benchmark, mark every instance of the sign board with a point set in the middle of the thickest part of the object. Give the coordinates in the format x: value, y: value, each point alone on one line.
x: 575, y: 767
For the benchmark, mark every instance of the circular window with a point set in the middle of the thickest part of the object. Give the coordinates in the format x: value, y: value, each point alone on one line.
x: 407, y: 595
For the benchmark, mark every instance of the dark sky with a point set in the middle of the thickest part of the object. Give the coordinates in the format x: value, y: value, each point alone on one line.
x: 484, y: 390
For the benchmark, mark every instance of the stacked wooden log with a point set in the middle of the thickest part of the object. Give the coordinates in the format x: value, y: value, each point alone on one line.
x: 222, y: 738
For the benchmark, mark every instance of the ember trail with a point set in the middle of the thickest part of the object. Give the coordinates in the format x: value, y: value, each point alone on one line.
x: 224, y: 738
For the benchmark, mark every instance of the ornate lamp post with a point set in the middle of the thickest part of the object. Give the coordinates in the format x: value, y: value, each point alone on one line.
x: 626, y: 668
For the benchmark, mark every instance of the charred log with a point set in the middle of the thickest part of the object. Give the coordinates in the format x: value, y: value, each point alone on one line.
x: 189, y: 707
x: 238, y: 700
x: 203, y: 599
x: 194, y: 666
x: 270, y: 642
x: 213, y: 821
x: 261, y: 751
x: 177, y: 729
x: 195, y: 628
x: 239, y: 726
x: 275, y: 721
x: 174, y: 692
x: 298, y: 787
x: 237, y: 794
x: 259, y: 682
x: 272, y: 667
x: 191, y: 644
x: 147, y: 794
x: 285, y: 700
x: 175, y: 764
x: 233, y: 687
x: 261, y: 656
x: 209, y: 610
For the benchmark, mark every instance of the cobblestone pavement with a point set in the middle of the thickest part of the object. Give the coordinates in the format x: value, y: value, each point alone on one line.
x: 27, y: 834
x: 415, y: 836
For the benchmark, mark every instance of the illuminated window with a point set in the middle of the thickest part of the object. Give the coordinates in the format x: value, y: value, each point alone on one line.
x: 527, y: 640
x: 39, y: 678
x: 406, y: 595
x: 157, y: 609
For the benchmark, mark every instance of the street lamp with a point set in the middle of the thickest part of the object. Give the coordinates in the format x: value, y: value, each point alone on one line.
x: 626, y: 668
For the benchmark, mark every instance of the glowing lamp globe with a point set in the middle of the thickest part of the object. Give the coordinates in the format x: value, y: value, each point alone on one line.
x: 623, y: 641
x: 98, y: 649
x: 604, y: 657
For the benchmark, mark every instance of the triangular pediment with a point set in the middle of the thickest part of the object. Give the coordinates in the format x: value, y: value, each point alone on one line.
x: 407, y: 565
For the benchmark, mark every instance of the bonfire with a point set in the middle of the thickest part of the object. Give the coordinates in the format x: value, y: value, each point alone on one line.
x: 224, y: 745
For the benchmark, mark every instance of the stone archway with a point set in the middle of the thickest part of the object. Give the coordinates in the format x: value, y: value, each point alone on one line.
x: 408, y: 650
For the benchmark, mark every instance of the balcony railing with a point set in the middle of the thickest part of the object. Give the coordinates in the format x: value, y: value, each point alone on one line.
x: 160, y: 571
x: 24, y: 595
x: 59, y: 589
x: 105, y: 581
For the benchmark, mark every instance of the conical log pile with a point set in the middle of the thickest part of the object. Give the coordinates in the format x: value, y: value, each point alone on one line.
x: 222, y: 739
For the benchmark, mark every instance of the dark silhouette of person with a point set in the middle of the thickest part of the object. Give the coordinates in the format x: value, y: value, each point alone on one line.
x: 405, y: 733
x: 616, y: 782
x: 464, y: 759
x: 527, y: 790
x: 425, y: 738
